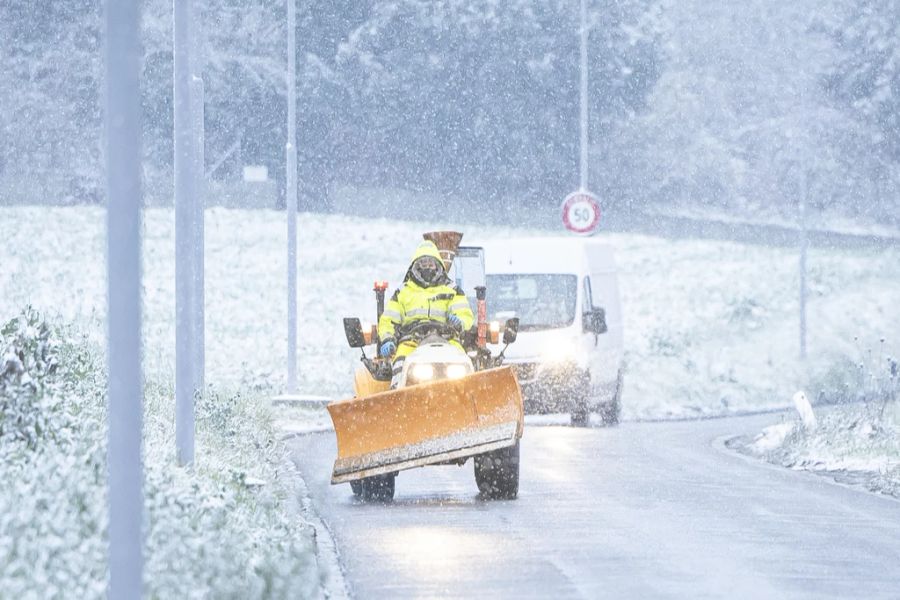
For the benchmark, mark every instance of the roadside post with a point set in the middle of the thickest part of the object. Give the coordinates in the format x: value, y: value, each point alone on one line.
x: 581, y: 208
x: 123, y: 235
x: 291, y: 196
x: 186, y: 199
x: 583, y: 100
x: 804, y: 244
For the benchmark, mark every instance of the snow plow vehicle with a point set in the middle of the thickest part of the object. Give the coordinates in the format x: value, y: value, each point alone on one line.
x: 453, y: 399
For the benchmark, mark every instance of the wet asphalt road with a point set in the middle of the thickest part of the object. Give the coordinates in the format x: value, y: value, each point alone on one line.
x: 644, y: 510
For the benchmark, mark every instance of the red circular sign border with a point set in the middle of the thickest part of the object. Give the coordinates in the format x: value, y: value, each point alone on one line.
x: 592, y: 200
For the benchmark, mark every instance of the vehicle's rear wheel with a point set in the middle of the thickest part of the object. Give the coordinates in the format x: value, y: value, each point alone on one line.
x: 357, y: 487
x: 378, y: 488
x: 497, y: 473
x: 610, y: 411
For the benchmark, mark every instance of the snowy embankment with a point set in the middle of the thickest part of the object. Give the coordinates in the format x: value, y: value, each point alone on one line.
x: 857, y: 444
x: 229, y: 526
x: 711, y: 326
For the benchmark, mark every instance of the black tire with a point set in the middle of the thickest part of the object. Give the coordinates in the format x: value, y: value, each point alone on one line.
x: 378, y: 488
x: 581, y: 412
x: 610, y: 411
x: 497, y: 473
x: 356, y: 486
x: 580, y: 417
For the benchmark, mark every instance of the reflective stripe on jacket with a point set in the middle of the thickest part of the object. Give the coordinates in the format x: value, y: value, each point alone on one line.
x: 413, y: 303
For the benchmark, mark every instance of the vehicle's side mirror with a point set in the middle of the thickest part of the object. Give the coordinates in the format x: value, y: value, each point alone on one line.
x: 512, y: 330
x: 354, y: 332
x: 595, y: 321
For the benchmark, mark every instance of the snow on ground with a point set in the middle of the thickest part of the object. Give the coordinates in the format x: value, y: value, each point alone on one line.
x: 857, y: 444
x: 229, y: 526
x: 711, y: 326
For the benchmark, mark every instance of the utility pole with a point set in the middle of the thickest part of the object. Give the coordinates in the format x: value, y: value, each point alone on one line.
x: 291, y: 195
x: 583, y: 167
x: 123, y: 235
x: 185, y: 234
x: 198, y: 93
x: 804, y: 243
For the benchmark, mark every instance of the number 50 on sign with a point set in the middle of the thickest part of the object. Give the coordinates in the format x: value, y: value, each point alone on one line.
x: 581, y: 212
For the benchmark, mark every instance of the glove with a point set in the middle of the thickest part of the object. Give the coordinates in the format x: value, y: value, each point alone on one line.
x: 456, y: 323
x: 388, y: 348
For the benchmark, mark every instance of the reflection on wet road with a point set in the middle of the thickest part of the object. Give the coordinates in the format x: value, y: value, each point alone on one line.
x: 643, y: 510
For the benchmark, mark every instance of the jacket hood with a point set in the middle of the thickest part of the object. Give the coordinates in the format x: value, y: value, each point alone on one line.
x: 426, y: 248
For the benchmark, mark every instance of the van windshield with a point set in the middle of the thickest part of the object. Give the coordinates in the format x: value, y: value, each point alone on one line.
x: 540, y: 301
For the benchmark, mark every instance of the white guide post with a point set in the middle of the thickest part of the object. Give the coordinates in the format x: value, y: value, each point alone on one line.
x: 123, y: 197
x: 185, y: 234
x: 291, y: 197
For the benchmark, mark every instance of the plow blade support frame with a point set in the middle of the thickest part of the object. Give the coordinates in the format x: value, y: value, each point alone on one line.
x: 426, y: 424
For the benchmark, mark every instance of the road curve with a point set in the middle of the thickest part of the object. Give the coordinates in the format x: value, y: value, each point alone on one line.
x: 644, y: 510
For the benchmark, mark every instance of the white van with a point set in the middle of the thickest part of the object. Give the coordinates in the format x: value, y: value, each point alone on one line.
x: 569, y: 353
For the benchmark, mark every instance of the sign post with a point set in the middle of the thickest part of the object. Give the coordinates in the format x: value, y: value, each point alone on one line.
x: 581, y: 212
x: 123, y: 231
x: 185, y: 232
x: 291, y: 197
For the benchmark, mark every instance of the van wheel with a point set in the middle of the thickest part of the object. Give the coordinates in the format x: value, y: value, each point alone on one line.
x: 580, y: 417
x: 497, y: 473
x: 378, y: 488
x: 581, y: 412
x: 610, y: 411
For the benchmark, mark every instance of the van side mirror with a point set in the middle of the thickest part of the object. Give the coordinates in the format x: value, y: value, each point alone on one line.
x: 512, y: 330
x: 595, y: 321
x: 354, y: 332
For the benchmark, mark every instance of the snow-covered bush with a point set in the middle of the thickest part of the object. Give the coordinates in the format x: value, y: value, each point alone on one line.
x: 226, y: 527
x: 32, y: 385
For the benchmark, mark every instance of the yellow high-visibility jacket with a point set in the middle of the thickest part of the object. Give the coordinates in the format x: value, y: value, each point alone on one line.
x: 413, y: 302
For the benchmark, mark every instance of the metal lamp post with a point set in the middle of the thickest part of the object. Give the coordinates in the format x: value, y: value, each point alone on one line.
x: 123, y: 196
x: 291, y: 197
x: 188, y: 230
x: 583, y: 163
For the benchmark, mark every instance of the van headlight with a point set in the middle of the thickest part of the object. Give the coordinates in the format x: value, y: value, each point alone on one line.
x: 560, y: 353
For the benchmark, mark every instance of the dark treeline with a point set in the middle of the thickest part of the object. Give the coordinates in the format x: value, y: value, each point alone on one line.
x: 477, y: 99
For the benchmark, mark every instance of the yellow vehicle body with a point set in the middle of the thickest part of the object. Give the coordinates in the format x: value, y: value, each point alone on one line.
x: 383, y: 431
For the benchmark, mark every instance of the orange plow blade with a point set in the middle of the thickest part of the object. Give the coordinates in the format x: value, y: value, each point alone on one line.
x: 426, y: 424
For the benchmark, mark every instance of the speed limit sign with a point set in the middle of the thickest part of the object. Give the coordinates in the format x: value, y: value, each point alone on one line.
x: 581, y: 212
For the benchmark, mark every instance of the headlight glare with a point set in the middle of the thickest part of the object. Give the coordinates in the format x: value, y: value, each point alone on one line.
x: 423, y: 372
x: 456, y: 371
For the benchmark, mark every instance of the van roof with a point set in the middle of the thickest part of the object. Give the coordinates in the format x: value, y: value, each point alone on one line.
x: 548, y: 255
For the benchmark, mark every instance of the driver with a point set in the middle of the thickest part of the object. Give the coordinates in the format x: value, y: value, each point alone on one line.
x: 426, y: 295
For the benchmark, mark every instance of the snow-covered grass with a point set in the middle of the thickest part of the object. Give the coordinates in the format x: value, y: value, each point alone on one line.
x: 711, y: 326
x: 228, y: 527
x: 852, y: 443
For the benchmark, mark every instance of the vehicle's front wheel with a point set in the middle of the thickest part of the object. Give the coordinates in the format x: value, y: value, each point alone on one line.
x: 356, y: 486
x: 580, y: 417
x: 378, y: 488
x: 497, y: 473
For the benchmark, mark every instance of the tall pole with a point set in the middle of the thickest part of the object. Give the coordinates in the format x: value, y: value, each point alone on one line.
x: 291, y: 196
x: 197, y: 110
x: 804, y: 243
x: 185, y: 235
x: 123, y: 234
x: 583, y: 170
